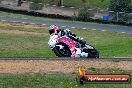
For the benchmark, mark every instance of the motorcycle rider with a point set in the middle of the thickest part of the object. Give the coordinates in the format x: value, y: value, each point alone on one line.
x: 66, y: 32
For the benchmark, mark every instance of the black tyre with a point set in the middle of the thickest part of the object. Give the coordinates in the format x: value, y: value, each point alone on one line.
x: 62, y: 52
x: 92, y: 53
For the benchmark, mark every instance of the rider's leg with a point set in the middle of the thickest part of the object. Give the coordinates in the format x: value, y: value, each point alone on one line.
x: 78, y: 53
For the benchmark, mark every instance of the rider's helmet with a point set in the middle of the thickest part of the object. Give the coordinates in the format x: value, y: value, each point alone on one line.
x: 53, y: 29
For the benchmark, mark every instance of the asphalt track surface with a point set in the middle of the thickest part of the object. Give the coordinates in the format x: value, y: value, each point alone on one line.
x: 78, y: 25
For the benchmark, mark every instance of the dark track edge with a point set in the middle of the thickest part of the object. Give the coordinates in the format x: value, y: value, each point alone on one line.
x: 66, y: 59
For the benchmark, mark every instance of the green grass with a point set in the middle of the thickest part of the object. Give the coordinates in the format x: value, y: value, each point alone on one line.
x: 109, y: 44
x: 54, y: 80
x: 23, y: 45
x: 99, y: 3
x: 76, y: 3
x: 93, y: 3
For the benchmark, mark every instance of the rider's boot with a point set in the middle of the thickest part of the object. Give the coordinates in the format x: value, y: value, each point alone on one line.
x: 78, y: 53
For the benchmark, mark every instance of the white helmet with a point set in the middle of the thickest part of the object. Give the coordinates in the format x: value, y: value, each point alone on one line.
x: 53, y: 26
x: 53, y: 29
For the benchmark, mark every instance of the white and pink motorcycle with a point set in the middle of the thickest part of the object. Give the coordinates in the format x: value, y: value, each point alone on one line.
x: 63, y: 46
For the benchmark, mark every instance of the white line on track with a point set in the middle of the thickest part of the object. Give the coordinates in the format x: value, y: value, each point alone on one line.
x: 63, y: 26
x: 73, y: 27
x: 123, y: 32
x: 43, y: 24
x: 32, y: 23
x: 23, y: 22
x: 94, y: 29
x: 103, y: 30
x: 84, y: 28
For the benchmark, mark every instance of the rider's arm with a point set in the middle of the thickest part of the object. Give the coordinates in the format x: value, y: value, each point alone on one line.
x: 61, y: 32
x: 74, y: 37
x: 71, y: 34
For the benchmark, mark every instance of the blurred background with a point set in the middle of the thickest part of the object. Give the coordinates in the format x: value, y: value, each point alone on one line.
x: 83, y: 10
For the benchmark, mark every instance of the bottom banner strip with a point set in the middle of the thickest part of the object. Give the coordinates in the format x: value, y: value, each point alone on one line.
x: 103, y: 79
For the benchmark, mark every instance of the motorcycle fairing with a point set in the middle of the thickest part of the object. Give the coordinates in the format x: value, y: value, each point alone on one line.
x: 70, y: 43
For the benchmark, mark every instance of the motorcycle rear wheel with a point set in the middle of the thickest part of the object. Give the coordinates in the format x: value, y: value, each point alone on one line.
x: 92, y: 52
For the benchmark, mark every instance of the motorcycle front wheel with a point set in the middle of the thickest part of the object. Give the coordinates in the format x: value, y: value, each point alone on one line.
x: 62, y: 50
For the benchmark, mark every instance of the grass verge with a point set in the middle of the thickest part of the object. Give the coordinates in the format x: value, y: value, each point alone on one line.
x: 93, y: 3
x: 54, y: 80
x: 79, y: 3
